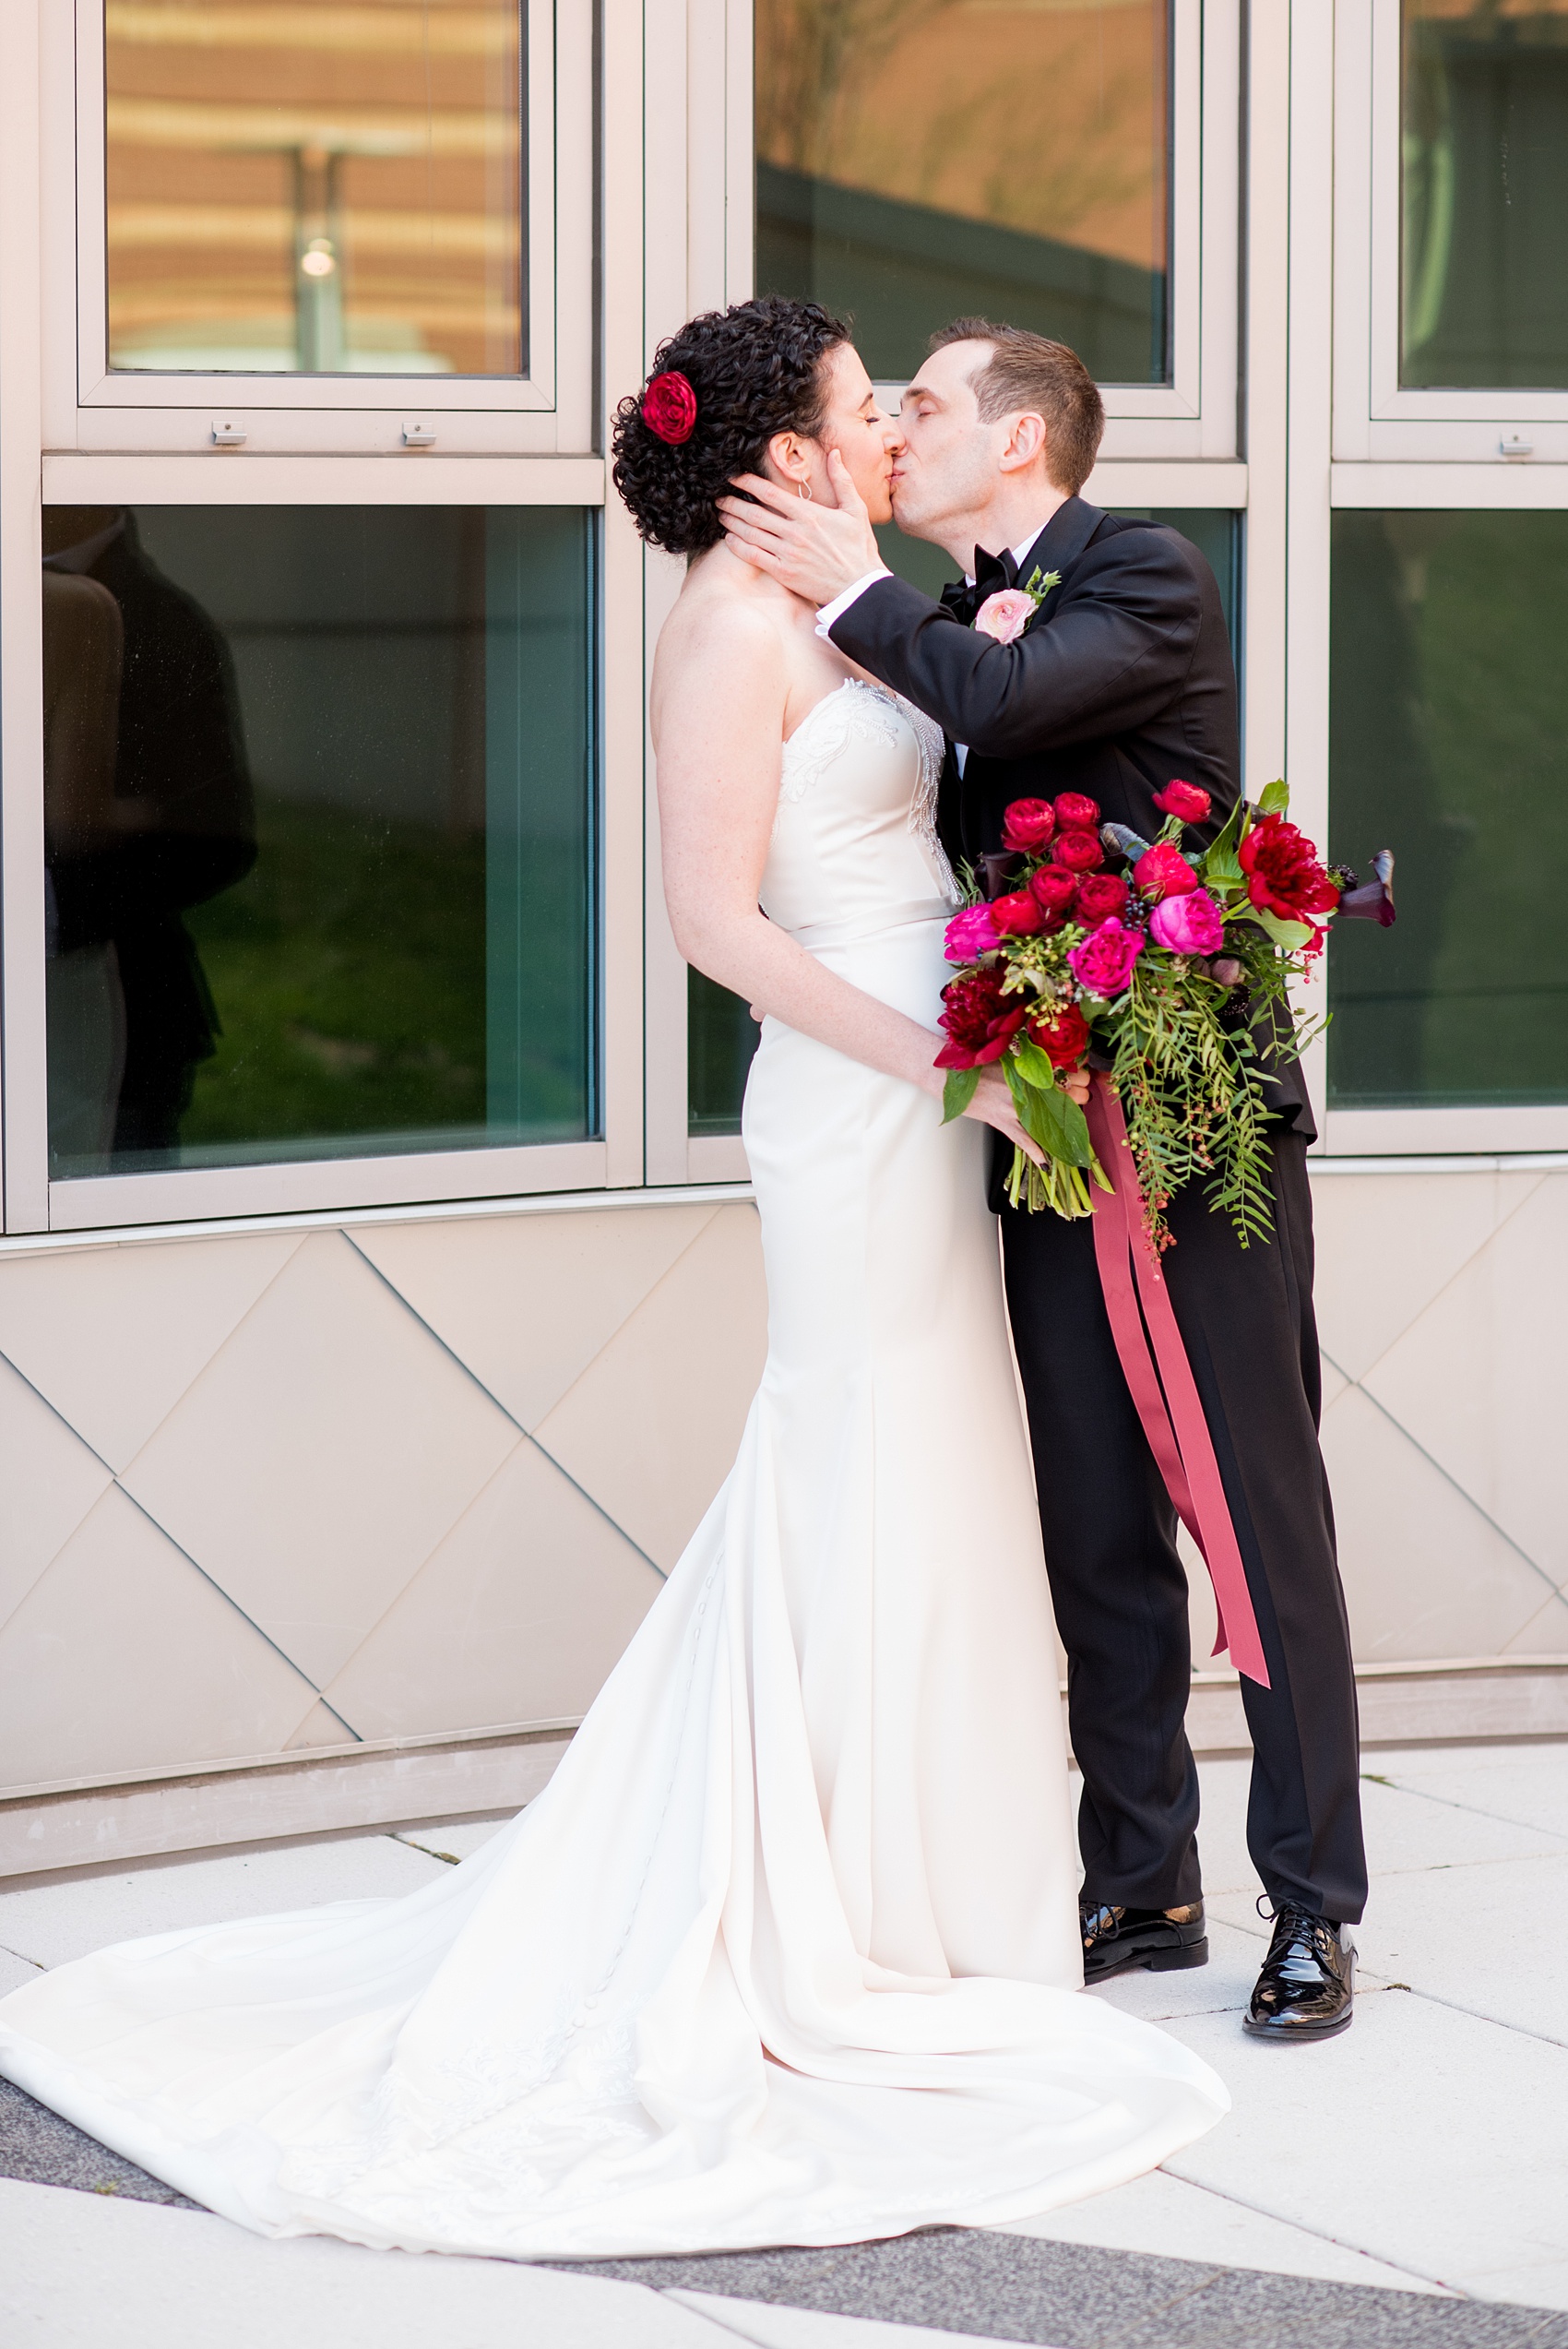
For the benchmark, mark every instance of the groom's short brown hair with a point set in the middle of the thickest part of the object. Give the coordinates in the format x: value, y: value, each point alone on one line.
x: 1029, y: 371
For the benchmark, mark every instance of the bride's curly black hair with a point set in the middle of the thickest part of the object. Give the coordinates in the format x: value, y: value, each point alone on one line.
x: 756, y: 370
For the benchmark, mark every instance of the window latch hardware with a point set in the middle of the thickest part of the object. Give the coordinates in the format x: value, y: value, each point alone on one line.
x: 417, y: 434
x: 1516, y: 445
x: 227, y: 435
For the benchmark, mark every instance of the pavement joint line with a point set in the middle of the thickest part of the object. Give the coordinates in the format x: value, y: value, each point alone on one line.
x: 1452, y: 2006
x: 682, y: 2300
x: 1340, y: 2243
x: 1475, y: 1810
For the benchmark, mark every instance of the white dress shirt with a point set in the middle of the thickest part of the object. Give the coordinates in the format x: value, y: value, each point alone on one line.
x: 828, y: 612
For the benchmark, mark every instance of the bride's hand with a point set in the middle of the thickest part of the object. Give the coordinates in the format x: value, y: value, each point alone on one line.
x: 992, y: 1104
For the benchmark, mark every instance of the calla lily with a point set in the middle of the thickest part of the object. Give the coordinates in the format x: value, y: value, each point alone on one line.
x: 1373, y: 901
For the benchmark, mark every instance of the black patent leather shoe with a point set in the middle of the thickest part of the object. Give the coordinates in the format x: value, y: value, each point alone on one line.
x: 1307, y: 1988
x: 1160, y: 1940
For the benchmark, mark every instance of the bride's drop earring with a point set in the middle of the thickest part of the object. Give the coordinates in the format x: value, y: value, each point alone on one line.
x: 803, y: 489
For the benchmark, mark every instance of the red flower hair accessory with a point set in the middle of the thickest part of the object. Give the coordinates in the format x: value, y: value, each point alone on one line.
x: 670, y: 407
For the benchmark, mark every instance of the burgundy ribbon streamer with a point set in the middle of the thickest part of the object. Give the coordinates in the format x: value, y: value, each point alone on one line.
x: 1159, y: 1378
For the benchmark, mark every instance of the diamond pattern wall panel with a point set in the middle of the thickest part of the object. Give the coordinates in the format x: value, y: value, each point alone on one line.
x: 326, y: 1481
x: 113, y: 1335
x: 1443, y: 1304
x: 319, y: 1458
x: 518, y: 1615
x: 48, y: 1480
x: 528, y: 1301
x: 122, y: 1657
x: 651, y: 1427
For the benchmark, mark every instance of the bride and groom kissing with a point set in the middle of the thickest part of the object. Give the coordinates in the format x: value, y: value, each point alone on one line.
x: 791, y: 1948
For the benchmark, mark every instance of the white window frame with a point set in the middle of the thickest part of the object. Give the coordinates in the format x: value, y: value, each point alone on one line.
x: 41, y: 462
x: 1375, y: 420
x: 88, y: 406
x: 1193, y: 416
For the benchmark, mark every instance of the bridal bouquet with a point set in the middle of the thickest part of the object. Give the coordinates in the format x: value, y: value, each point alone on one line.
x: 1160, y: 959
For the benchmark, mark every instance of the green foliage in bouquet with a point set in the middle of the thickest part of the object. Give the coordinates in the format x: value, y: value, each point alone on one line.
x: 1167, y: 967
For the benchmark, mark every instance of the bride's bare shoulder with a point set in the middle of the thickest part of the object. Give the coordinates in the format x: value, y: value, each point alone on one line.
x: 726, y: 621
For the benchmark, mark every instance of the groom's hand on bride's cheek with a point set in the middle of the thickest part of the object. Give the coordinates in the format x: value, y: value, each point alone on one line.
x: 815, y: 550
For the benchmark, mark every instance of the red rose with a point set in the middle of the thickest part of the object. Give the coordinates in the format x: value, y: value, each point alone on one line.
x: 979, y: 1021
x: 1079, y: 852
x: 1063, y: 1036
x: 1100, y: 895
x: 1185, y: 800
x: 1015, y: 915
x: 670, y: 407
x: 1283, y: 873
x: 1163, y: 870
x: 1076, y: 812
x: 1054, y: 890
x: 1027, y: 826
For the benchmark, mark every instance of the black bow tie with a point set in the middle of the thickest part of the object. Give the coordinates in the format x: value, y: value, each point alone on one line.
x: 992, y: 573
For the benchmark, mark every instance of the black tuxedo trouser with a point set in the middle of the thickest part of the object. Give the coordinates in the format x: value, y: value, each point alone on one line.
x: 1119, y: 1588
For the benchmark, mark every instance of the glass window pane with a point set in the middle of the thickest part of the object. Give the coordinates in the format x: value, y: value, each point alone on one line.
x: 1449, y: 745
x: 303, y: 185
x: 720, y: 1033
x: 319, y: 794
x: 918, y: 160
x: 1484, y: 137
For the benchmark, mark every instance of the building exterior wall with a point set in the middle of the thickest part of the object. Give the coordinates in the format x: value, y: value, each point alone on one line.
x: 332, y: 1485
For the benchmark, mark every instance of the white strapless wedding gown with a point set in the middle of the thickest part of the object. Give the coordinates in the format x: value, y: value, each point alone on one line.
x: 786, y: 1951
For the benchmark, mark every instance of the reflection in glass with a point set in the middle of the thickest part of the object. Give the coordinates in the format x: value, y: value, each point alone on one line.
x: 720, y: 1034
x: 1484, y: 137
x: 1449, y: 743
x: 325, y: 185
x: 319, y: 808
x: 919, y: 160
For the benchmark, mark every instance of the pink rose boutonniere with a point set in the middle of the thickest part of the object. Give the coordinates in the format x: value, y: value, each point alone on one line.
x: 1007, y: 613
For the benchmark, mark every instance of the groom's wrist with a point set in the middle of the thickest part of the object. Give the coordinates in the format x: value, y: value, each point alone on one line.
x: 828, y: 612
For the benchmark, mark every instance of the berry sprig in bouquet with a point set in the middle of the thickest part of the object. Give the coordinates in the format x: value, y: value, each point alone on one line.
x: 1159, y: 963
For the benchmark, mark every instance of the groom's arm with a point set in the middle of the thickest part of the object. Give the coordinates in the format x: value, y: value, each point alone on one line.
x: 1112, y: 657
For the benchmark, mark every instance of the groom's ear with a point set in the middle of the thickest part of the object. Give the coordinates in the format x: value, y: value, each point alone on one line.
x: 1026, y: 443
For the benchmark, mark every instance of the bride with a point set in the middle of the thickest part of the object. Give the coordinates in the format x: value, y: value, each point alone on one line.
x: 788, y: 1951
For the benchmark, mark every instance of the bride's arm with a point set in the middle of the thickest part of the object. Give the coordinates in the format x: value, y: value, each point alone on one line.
x: 719, y: 720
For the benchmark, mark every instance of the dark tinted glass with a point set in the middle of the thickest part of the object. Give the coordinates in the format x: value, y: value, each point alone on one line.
x: 1484, y: 138
x: 319, y: 803
x: 720, y: 1034
x: 1449, y: 744
x: 938, y: 157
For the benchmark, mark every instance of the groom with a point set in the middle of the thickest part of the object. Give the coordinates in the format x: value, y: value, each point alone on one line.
x: 1122, y: 682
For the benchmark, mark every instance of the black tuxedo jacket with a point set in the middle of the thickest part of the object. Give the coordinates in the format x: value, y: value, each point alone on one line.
x: 1121, y: 682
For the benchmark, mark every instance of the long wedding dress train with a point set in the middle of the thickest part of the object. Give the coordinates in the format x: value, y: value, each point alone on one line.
x: 786, y: 1951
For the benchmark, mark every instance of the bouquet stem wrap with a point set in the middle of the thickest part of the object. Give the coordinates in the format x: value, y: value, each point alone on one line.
x: 1159, y: 1378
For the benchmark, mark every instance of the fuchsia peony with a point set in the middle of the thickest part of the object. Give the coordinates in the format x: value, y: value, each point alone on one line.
x: 1027, y: 825
x: 1005, y: 615
x: 969, y: 934
x: 1188, y: 924
x: 1162, y: 871
x: 1104, y: 962
x: 1185, y: 800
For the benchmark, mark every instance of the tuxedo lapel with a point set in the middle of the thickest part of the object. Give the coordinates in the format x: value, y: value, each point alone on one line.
x: 1064, y: 538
